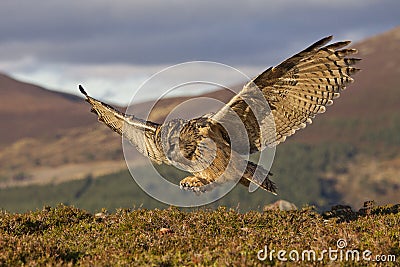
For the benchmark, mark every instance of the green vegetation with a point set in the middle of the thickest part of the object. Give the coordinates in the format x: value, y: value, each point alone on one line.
x: 171, y: 237
x: 295, y: 165
x: 377, y: 135
x: 111, y: 192
x: 299, y: 171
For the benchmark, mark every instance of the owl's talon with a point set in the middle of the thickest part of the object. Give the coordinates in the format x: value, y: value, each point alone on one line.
x: 194, y: 184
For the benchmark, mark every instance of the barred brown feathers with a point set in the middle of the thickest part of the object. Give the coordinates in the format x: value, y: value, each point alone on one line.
x: 270, y: 108
x: 296, y: 90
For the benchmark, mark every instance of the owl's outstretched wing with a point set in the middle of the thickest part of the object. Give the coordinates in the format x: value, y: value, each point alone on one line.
x: 296, y: 90
x: 140, y: 133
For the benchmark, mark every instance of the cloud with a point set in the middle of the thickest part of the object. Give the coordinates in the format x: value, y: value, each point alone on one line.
x: 157, y: 32
x: 121, y: 83
x: 43, y: 39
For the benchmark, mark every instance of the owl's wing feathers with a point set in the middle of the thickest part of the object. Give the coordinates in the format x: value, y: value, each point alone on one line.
x: 141, y: 134
x: 296, y: 90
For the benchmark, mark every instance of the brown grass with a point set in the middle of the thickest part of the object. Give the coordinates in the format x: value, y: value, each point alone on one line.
x: 66, y: 235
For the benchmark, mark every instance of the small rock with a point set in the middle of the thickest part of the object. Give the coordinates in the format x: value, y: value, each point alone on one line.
x: 100, y: 215
x: 46, y: 208
x: 280, y: 205
x: 164, y: 231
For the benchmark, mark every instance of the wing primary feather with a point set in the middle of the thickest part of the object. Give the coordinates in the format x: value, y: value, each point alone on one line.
x: 129, y: 119
x: 337, y: 45
x: 318, y: 44
x: 296, y: 90
x: 140, y: 133
x: 82, y: 90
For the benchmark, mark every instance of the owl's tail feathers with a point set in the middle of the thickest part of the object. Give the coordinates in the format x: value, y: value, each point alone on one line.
x: 258, y: 175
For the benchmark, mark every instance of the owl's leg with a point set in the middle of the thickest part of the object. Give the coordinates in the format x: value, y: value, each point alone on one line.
x: 195, y: 184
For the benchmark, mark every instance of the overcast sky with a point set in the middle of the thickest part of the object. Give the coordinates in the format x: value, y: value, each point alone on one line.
x: 112, y: 47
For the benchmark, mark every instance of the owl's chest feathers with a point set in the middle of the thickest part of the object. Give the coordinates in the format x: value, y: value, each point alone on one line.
x: 200, y: 137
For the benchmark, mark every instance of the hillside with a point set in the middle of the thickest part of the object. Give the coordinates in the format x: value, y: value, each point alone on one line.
x: 371, y: 103
x: 48, y: 136
x: 350, y: 151
x: 31, y: 111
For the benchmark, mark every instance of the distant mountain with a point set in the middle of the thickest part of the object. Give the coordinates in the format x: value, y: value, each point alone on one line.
x: 27, y: 110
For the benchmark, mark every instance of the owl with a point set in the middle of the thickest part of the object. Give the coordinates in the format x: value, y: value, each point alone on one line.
x: 214, y: 148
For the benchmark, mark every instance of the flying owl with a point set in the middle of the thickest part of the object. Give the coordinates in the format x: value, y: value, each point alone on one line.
x: 269, y: 108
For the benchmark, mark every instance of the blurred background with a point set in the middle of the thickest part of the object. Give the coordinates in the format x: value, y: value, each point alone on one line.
x: 52, y: 149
